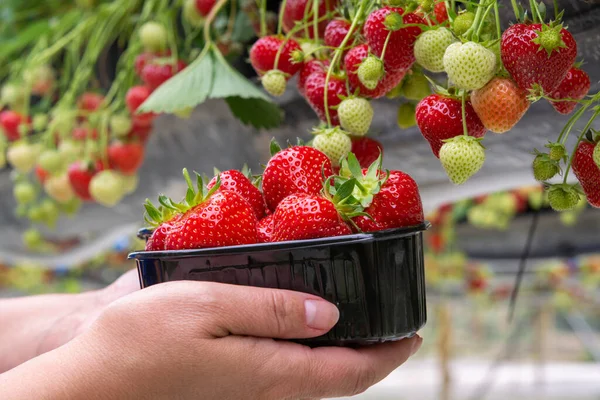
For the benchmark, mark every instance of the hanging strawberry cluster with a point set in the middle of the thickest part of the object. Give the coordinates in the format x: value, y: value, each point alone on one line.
x: 345, y: 55
x: 72, y: 133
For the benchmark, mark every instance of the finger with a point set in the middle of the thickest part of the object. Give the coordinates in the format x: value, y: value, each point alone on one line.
x: 337, y: 372
x: 260, y: 312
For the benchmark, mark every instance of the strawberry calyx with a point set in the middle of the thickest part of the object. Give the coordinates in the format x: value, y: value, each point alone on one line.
x: 368, y: 184
x: 393, y: 21
x: 549, y: 38
x: 557, y: 151
x: 168, y: 208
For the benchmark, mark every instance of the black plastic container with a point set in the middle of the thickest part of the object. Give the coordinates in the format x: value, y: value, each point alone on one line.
x: 376, y: 279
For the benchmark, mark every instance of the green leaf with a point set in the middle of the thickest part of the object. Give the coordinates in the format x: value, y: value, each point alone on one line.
x: 187, y: 89
x: 230, y: 83
x: 256, y: 112
x: 345, y: 190
x: 242, y: 29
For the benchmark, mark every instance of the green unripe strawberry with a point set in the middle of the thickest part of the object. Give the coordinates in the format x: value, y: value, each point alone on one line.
x: 153, y: 36
x: 22, y: 157
x: 416, y: 87
x: 35, y: 214
x: 12, y: 95
x: 462, y: 157
x: 406, y: 116
x: 544, y: 167
x: 120, y: 125
x: 557, y: 151
x: 24, y: 193
x: 355, y: 114
x: 431, y: 46
x: 274, y: 82
x: 70, y: 150
x: 32, y: 238
x: 470, y: 65
x: 130, y: 183
x: 334, y: 143
x: 62, y: 121
x: 51, y: 161
x: 191, y: 14
x: 563, y: 197
x: 370, y: 72
x: 106, y: 188
x: 596, y: 154
x: 40, y: 122
x: 59, y: 188
x: 569, y: 218
x: 463, y: 22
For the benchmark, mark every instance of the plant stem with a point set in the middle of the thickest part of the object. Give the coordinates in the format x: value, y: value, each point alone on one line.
x: 315, y: 10
x: 464, y: 112
x: 581, y: 136
x: 475, y: 26
x: 498, y: 25
x: 515, y: 8
x: 232, y: 17
x: 385, y: 44
x: 280, y: 18
x: 450, y: 18
x: 262, y: 12
x: 338, y: 55
x: 210, y: 19
x: 487, y: 11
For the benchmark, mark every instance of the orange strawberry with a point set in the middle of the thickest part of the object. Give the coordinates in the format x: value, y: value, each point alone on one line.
x: 500, y: 104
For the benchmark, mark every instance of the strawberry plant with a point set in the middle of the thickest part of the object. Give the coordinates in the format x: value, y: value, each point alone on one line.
x: 77, y: 136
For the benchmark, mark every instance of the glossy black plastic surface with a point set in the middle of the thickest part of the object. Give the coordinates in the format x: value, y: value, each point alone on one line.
x: 375, y: 279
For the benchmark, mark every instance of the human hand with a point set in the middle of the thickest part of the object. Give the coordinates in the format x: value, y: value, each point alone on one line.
x: 87, y: 307
x: 190, y: 340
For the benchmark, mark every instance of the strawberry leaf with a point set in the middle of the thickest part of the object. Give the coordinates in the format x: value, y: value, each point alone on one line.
x: 211, y: 77
x: 187, y: 89
x: 256, y: 112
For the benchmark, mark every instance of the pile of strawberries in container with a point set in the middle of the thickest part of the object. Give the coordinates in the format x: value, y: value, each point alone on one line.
x: 301, y: 198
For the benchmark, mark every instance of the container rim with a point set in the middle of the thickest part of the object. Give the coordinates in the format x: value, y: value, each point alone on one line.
x: 278, y: 246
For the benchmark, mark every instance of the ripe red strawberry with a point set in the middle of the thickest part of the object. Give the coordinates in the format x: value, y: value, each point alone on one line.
x: 576, y: 85
x: 398, y: 204
x: 336, y: 31
x: 265, y: 228
x: 307, y: 69
x: 399, y: 54
x: 264, y: 51
x: 157, y: 241
x: 440, y: 118
x: 366, y: 150
x: 135, y: 97
x: 204, y: 6
x: 235, y: 181
x: 80, y: 175
x: 352, y: 61
x: 10, y: 121
x: 315, y: 94
x: 529, y: 62
x: 90, y: 101
x: 126, y: 157
x: 441, y: 12
x: 206, y: 218
x: 307, y: 216
x: 141, y: 60
x: 141, y: 128
x: 297, y: 11
x: 223, y: 219
x: 83, y: 132
x: 154, y: 74
x: 297, y: 169
x: 587, y: 172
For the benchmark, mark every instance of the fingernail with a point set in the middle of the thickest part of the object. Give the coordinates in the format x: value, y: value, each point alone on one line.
x: 416, y: 345
x: 320, y: 315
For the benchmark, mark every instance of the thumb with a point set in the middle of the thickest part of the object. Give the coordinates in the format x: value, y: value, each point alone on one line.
x: 259, y: 312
